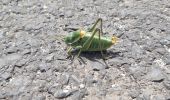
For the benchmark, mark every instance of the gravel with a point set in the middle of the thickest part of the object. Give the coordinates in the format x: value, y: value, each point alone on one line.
x: 34, y: 63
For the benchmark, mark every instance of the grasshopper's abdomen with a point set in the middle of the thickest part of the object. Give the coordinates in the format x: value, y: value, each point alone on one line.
x: 105, y: 42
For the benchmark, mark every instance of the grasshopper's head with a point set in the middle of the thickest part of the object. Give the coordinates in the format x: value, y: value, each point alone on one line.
x: 74, y: 36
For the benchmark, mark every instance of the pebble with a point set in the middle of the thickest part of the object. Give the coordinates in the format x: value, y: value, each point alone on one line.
x: 89, y: 81
x: 43, y: 67
x: 6, y: 75
x: 165, y: 41
x: 81, y: 86
x: 64, y: 79
x: 50, y: 57
x: 1, y: 34
x: 26, y: 51
x: 158, y: 97
x: 97, y: 66
x: 78, y: 95
x: 167, y: 97
x: 166, y: 59
x: 166, y: 83
x: 12, y: 57
x: 60, y: 94
x: 134, y: 93
x: 155, y: 75
x: 2, y: 63
x: 8, y: 59
x: 54, y: 88
x: 74, y: 80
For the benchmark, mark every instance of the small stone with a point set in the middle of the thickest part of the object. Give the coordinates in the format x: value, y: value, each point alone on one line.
x: 155, y: 75
x: 146, y: 96
x: 12, y: 57
x: 102, y: 92
x: 2, y: 63
x: 134, y: 93
x: 89, y: 81
x: 21, y: 63
x: 165, y: 41
x: 78, y: 95
x: 142, y: 97
x: 63, y: 79
x: 166, y: 59
x: 31, y: 68
x: 11, y: 50
x: 54, y: 88
x: 26, y: 51
x: 1, y: 34
x: 69, y: 13
x: 167, y: 97
x: 96, y: 66
x: 2, y: 96
x: 146, y: 93
x: 50, y: 57
x: 158, y: 97
x: 19, y: 82
x: 137, y: 70
x: 166, y: 83
x: 81, y: 86
x: 116, y: 87
x: 8, y: 59
x: 60, y: 94
x: 43, y: 67
x: 6, y: 75
x: 160, y: 50
x: 112, y: 97
x: 74, y: 79
x: 40, y: 98
x: 116, y: 62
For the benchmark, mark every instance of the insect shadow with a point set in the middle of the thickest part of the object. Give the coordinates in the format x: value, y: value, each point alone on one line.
x: 96, y: 55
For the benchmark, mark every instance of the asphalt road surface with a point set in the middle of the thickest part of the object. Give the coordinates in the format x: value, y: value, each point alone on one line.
x: 34, y: 64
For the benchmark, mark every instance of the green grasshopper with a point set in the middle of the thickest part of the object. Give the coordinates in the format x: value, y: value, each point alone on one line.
x: 90, y: 40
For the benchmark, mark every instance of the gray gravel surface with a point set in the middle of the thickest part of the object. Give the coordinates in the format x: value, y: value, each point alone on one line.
x: 33, y: 57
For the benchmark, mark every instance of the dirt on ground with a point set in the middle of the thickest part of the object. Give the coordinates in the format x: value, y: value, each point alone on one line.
x: 34, y: 64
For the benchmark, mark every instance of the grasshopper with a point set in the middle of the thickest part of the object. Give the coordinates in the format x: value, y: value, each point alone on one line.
x: 90, y: 40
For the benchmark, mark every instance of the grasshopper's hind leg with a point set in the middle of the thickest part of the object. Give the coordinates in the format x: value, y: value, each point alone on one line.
x: 100, y: 21
x: 100, y: 45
